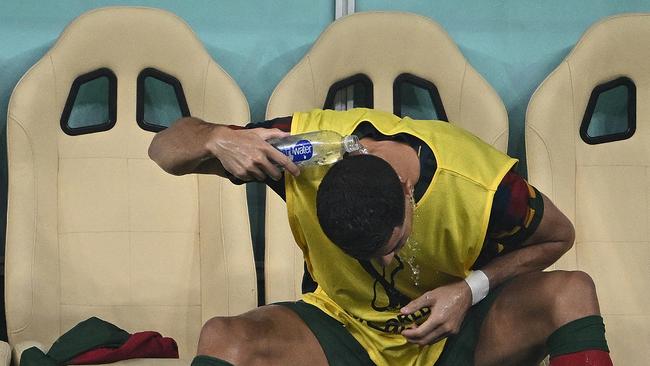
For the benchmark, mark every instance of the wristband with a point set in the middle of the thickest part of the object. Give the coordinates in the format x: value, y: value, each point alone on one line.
x: 479, y: 284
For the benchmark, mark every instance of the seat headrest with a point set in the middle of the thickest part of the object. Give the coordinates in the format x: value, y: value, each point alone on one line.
x: 126, y: 41
x: 616, y: 46
x: 613, y: 49
x: 383, y: 46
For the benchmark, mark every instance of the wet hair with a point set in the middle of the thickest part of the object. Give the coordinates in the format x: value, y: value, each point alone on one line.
x: 359, y: 203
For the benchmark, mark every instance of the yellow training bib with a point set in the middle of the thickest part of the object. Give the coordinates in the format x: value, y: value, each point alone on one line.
x: 449, y: 227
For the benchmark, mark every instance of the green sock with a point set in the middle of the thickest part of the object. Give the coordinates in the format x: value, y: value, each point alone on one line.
x: 209, y: 361
x: 578, y: 335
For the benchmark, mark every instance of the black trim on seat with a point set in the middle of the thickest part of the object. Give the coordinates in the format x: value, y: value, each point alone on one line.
x: 166, y: 78
x: 72, y: 96
x: 591, y: 107
x: 422, y: 83
x: 352, y: 80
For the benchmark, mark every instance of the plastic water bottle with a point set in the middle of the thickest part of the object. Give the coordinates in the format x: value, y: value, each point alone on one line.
x: 317, y: 148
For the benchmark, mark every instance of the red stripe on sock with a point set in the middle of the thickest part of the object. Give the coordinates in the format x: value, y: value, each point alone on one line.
x: 590, y: 357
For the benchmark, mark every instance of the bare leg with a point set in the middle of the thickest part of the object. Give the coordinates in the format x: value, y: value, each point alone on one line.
x: 528, y: 310
x: 268, y: 335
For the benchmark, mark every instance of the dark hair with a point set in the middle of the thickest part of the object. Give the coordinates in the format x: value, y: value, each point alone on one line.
x: 359, y: 202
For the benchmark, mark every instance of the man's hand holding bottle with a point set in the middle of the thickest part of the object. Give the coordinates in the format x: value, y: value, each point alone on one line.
x: 247, y: 155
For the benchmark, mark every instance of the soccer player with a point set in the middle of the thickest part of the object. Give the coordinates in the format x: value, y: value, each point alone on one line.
x: 427, y: 250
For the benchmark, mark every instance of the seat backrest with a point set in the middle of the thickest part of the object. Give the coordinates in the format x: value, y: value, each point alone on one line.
x: 599, y: 177
x: 95, y: 228
x: 384, y: 52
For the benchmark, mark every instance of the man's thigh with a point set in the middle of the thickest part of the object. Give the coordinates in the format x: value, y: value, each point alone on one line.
x: 339, y: 346
x: 268, y: 335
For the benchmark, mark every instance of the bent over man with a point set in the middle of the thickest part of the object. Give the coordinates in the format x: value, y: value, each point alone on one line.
x: 426, y: 250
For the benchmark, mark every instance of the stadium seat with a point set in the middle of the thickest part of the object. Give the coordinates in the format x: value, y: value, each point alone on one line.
x: 95, y: 228
x: 363, y: 60
x: 587, y: 145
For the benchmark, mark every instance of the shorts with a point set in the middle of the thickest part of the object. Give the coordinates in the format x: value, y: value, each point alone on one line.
x: 341, y: 348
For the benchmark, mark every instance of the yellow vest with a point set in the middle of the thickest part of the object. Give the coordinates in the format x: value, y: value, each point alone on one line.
x: 449, y: 227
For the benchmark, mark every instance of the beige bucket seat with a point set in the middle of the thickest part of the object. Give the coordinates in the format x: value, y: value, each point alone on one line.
x: 95, y: 228
x: 588, y: 149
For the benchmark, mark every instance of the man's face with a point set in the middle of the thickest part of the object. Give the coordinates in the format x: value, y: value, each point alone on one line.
x: 399, y: 236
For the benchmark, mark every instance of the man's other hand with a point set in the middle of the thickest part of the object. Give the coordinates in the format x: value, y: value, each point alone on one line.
x: 448, y: 305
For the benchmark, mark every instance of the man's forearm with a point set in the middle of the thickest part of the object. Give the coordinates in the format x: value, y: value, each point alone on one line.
x: 182, y: 148
x: 193, y: 146
x: 554, y: 237
x: 527, y: 259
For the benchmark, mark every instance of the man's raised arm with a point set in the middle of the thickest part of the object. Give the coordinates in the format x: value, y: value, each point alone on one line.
x: 191, y: 145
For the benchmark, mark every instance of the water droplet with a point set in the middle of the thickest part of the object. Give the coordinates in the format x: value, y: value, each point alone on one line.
x: 414, y: 249
x: 362, y: 149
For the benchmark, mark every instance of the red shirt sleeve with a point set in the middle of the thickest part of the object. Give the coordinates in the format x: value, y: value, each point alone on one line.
x: 517, y: 209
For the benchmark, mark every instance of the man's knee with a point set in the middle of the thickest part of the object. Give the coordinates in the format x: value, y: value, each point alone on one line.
x: 574, y: 295
x: 574, y: 285
x: 230, y: 338
x: 213, y: 334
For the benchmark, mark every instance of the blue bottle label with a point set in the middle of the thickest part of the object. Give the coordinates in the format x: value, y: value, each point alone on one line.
x: 301, y: 151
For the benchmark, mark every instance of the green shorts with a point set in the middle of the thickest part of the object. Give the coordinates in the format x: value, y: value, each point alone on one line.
x: 342, y: 349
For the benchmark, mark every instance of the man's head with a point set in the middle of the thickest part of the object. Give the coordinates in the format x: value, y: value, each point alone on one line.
x: 363, y: 207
